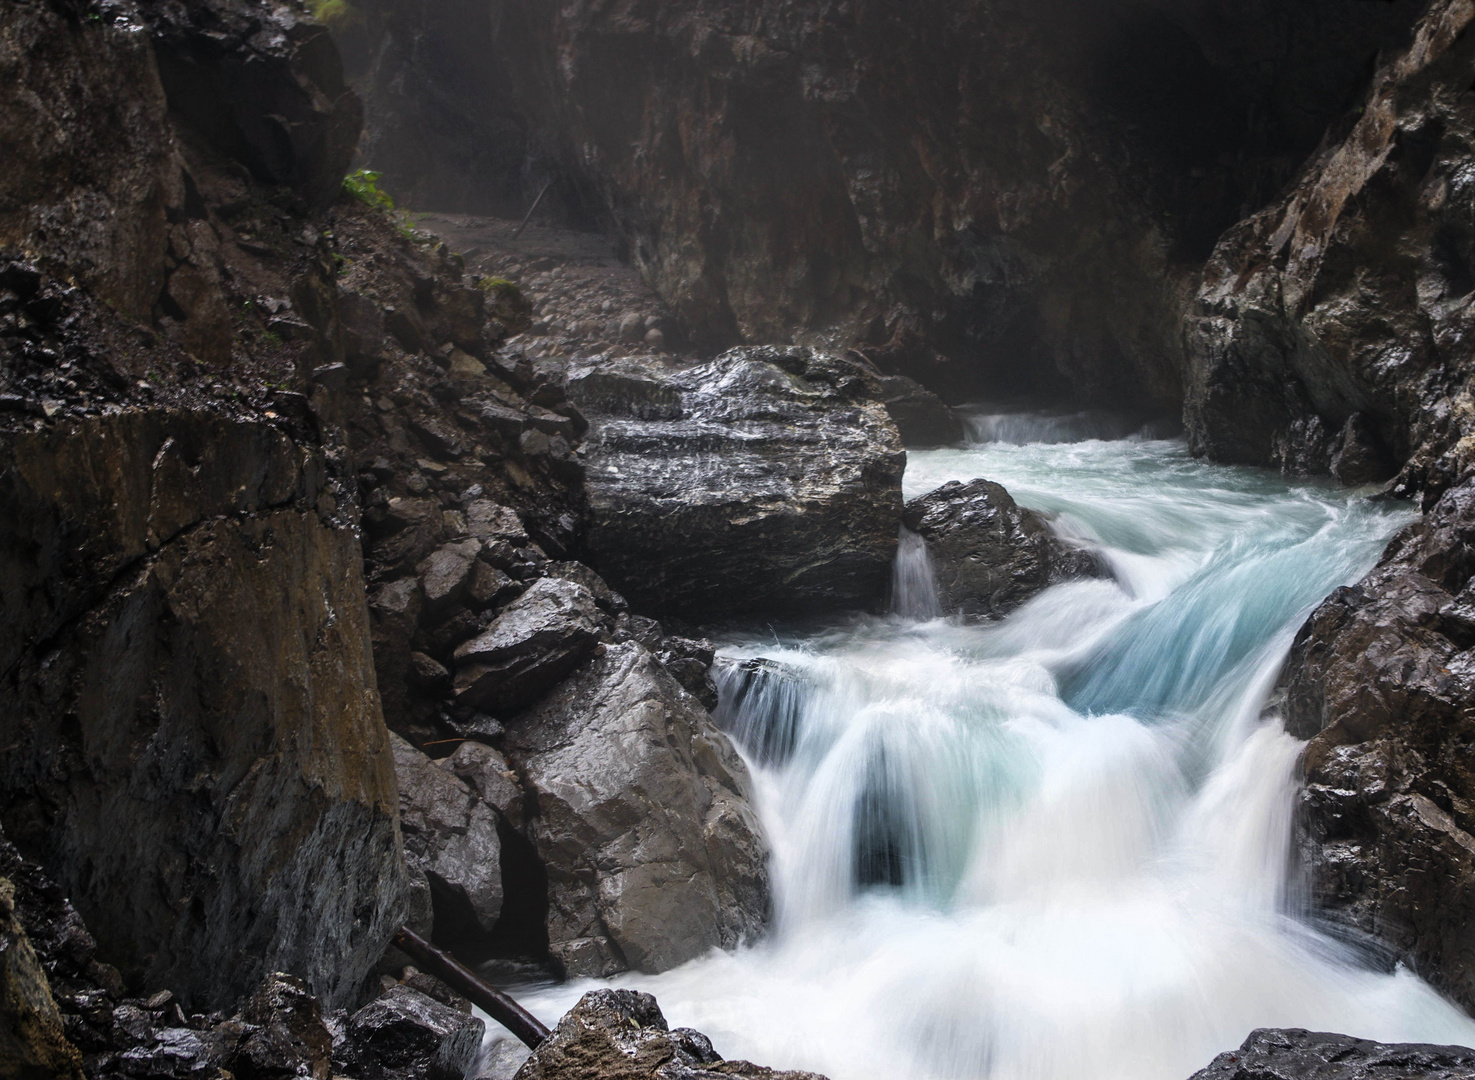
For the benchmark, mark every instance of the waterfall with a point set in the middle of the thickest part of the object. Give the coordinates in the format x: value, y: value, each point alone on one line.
x: 913, y: 589
x: 1056, y: 845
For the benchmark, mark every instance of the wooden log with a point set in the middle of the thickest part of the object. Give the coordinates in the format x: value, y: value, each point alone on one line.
x: 493, y: 1002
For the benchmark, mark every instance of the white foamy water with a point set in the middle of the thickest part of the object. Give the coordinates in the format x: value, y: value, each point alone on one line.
x: 1055, y: 846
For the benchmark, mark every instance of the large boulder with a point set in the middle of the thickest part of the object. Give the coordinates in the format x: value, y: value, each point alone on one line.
x: 623, y: 1033
x: 642, y: 819
x: 988, y: 554
x: 1295, y: 1054
x: 1380, y: 679
x: 766, y: 480
x: 188, y: 642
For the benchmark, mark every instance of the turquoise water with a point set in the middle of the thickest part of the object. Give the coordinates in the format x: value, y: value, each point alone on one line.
x: 1055, y: 846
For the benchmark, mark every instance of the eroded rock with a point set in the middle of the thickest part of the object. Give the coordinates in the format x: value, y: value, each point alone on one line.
x: 988, y: 554
x: 450, y: 839
x: 765, y: 480
x: 406, y: 1028
x: 537, y: 639
x: 1295, y: 1054
x: 623, y: 1033
x: 1380, y: 678
x: 643, y: 821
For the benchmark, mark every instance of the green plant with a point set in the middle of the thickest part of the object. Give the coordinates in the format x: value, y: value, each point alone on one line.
x: 363, y: 185
x: 334, y: 14
x: 499, y: 285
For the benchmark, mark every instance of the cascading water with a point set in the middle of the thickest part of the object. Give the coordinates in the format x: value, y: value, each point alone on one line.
x: 1055, y: 846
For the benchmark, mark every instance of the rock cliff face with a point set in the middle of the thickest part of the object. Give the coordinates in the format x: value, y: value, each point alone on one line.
x: 1331, y: 331
x: 185, y: 647
x: 1379, y: 680
x: 985, y: 195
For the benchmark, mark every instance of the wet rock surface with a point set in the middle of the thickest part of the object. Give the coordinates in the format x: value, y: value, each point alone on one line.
x: 765, y: 480
x: 988, y: 554
x: 1380, y: 679
x: 1330, y: 332
x: 652, y: 853
x: 623, y: 1033
x: 1294, y: 1054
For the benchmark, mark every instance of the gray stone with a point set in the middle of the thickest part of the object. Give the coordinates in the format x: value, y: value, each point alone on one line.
x: 989, y: 555
x: 622, y: 1033
x: 445, y: 575
x: 1295, y: 1054
x: 643, y: 821
x: 537, y: 639
x: 403, y: 1026
x: 767, y: 480
x: 450, y: 836
x: 487, y: 773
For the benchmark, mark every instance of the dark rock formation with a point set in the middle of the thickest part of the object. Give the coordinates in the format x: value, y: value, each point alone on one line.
x: 642, y: 820
x: 404, y: 1028
x: 988, y: 554
x: 921, y: 418
x: 451, y: 845
x: 765, y: 480
x: 1381, y: 680
x: 537, y: 639
x: 623, y: 1033
x: 33, y: 1042
x: 1270, y: 1054
x: 186, y: 648
x: 982, y: 194
x: 1331, y: 331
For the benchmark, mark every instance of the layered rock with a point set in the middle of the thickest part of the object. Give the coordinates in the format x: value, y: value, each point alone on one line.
x: 194, y: 672
x: 765, y: 480
x: 1331, y: 329
x: 988, y: 554
x: 1295, y: 1054
x: 623, y: 1033
x: 1380, y: 679
x: 642, y: 820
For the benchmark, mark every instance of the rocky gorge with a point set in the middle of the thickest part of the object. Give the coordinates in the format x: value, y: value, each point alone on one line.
x: 362, y: 576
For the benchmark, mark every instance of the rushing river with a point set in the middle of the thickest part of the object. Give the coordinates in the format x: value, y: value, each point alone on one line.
x: 1056, y: 846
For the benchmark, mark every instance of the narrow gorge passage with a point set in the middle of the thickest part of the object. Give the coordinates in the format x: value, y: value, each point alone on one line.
x: 1057, y: 845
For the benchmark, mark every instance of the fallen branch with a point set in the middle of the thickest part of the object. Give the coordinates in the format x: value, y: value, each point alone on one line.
x: 529, y: 215
x: 494, y: 1003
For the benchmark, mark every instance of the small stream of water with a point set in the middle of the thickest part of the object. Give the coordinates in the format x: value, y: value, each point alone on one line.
x: 1055, y: 846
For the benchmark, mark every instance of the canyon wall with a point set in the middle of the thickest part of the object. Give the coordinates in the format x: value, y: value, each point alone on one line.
x: 994, y: 198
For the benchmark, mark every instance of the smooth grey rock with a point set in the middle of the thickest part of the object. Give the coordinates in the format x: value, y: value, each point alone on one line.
x: 1296, y: 1054
x: 643, y: 821
x: 766, y: 480
x: 450, y: 836
x: 537, y: 639
x: 622, y: 1033
x: 989, y: 555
